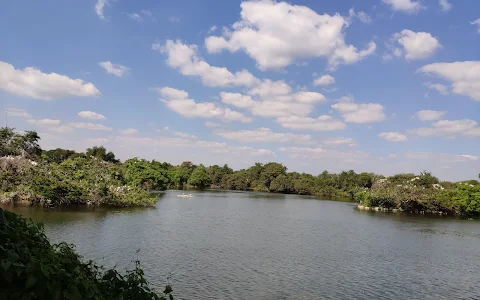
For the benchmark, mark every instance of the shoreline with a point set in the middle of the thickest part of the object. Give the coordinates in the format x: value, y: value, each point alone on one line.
x: 399, y: 210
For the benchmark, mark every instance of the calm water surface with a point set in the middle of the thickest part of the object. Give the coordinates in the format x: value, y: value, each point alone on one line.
x: 237, y: 245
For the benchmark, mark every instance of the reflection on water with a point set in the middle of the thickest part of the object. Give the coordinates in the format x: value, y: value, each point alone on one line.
x: 239, y: 245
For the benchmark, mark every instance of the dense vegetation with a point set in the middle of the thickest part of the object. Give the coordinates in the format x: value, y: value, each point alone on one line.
x: 96, y: 177
x: 32, y: 268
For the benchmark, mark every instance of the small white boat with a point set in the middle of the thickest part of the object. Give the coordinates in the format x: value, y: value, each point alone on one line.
x: 185, y: 195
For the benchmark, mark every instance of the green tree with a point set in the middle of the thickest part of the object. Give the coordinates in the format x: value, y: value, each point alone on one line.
x: 101, y: 153
x: 281, y: 184
x: 199, y: 178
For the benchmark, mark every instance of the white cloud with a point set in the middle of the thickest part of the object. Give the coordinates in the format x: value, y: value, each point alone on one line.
x: 274, y: 99
x: 99, y: 7
x: 31, y: 82
x: 414, y: 45
x: 324, y: 80
x: 277, y: 34
x: 89, y: 126
x: 361, y: 15
x: 211, y: 124
x: 135, y: 16
x: 445, y: 5
x: 129, y: 131
x: 185, y: 58
x: 97, y: 141
x: 326, y: 155
x: 442, y: 89
x: 449, y: 129
x: 185, y: 135
x: 91, y: 115
x: 360, y: 113
x: 464, y: 76
x: 449, y: 158
x: 44, y: 122
x: 172, y: 93
x: 60, y: 129
x: 430, y: 115
x: 406, y: 6
x: 174, y: 19
x: 339, y: 141
x: 18, y: 112
x: 114, y: 69
x: 212, y: 29
x: 476, y: 22
x: 237, y: 99
x: 189, y: 108
x: 393, y: 136
x: 322, y: 123
x: 264, y: 135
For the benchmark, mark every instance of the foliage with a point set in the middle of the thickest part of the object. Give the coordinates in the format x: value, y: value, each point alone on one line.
x: 13, y: 143
x: 199, y: 178
x: 101, y: 153
x: 63, y: 176
x: 142, y: 173
x: 32, y: 268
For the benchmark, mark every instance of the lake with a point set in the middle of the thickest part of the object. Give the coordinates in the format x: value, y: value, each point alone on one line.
x: 244, y: 245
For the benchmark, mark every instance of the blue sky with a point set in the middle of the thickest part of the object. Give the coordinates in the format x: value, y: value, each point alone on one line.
x: 382, y: 86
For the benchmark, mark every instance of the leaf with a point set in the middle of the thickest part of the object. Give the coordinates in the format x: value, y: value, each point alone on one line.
x: 31, y: 281
x: 72, y: 293
x: 6, y: 265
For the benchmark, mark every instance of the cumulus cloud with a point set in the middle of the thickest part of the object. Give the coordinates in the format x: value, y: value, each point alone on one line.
x: 477, y: 23
x: 449, y: 129
x: 274, y: 99
x: 339, y: 141
x: 277, y: 34
x: 322, y: 123
x: 326, y: 154
x: 406, y: 6
x: 324, y: 80
x: 360, y: 113
x: 91, y: 115
x: 185, y: 58
x: 412, y: 45
x: 211, y: 124
x: 264, y: 135
x: 450, y: 158
x: 114, y: 69
x: 178, y: 101
x: 31, y: 82
x: 464, y: 76
x: 100, y: 6
x: 445, y: 5
x: 18, y: 112
x: 442, y: 89
x: 185, y: 135
x: 44, y: 122
x: 361, y: 16
x: 430, y: 115
x: 393, y: 136
x: 89, y: 126
x: 129, y: 131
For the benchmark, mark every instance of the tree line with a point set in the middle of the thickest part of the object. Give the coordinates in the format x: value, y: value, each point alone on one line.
x: 97, y: 176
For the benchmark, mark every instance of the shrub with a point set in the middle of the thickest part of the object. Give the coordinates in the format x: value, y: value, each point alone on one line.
x: 32, y: 268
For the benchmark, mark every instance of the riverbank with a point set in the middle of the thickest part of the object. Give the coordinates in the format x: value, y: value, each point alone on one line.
x: 64, y: 177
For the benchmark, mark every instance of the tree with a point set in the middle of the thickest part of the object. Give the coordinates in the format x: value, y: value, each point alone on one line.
x: 281, y: 184
x: 101, y: 153
x: 142, y: 173
x: 199, y: 178
x: 12, y: 143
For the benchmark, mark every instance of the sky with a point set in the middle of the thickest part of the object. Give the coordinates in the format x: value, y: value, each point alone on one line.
x: 384, y: 86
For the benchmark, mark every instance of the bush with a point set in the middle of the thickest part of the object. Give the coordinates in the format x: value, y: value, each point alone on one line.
x: 32, y: 268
